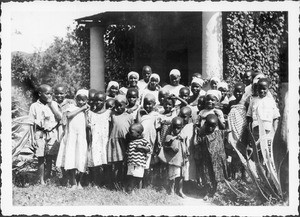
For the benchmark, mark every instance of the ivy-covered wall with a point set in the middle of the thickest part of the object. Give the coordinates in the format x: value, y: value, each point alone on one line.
x: 256, y: 41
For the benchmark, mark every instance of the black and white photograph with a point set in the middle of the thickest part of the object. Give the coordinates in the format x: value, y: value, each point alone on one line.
x: 150, y: 108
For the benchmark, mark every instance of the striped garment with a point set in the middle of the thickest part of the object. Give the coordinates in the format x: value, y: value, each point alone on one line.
x: 136, y: 157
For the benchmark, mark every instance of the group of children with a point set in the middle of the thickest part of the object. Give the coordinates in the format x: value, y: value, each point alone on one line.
x: 135, y: 135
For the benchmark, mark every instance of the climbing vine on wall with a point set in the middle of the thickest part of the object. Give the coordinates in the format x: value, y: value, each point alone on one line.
x: 255, y: 41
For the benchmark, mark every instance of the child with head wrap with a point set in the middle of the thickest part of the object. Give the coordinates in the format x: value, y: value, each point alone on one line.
x: 132, y: 79
x: 152, y: 87
x: 174, y: 85
x: 224, y: 101
x: 72, y: 153
x: 112, y: 89
x: 196, y: 89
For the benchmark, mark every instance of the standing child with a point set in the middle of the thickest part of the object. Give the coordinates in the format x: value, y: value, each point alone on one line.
x: 162, y: 94
x: 152, y: 87
x: 211, y: 99
x: 200, y: 107
x: 110, y: 103
x: 91, y: 100
x: 132, y: 98
x: 224, y: 101
x: 46, y: 117
x: 74, y: 155
x: 210, y: 148
x: 138, y: 148
x: 120, y: 123
x: 175, y: 153
x: 146, y: 73
x: 151, y: 122
x: 132, y: 79
x: 99, y: 124
x: 196, y: 88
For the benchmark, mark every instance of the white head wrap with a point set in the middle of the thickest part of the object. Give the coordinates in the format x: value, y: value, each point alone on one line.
x: 175, y: 72
x: 223, y: 84
x: 110, y: 84
x: 215, y: 93
x: 198, y: 81
x: 133, y: 73
x: 154, y: 75
x: 257, y: 77
x: 82, y: 92
x: 216, y: 79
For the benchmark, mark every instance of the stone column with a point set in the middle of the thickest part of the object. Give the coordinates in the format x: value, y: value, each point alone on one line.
x: 97, y: 62
x: 212, y: 45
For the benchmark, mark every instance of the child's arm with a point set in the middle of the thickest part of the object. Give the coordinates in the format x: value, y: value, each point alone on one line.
x: 180, y: 99
x: 72, y: 114
x: 54, y: 109
x: 144, y: 149
x: 275, y: 124
x: 220, y: 116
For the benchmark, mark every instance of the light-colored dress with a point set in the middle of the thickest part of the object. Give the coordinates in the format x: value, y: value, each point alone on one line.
x: 97, y: 152
x: 72, y: 152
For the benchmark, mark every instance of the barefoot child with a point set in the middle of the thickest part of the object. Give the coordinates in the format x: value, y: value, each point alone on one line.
x: 175, y: 154
x: 210, y: 146
x: 46, y: 116
x: 120, y: 123
x: 74, y: 155
x: 99, y: 124
x: 138, y: 148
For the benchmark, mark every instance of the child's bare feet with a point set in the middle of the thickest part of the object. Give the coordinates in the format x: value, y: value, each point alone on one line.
x: 79, y: 186
x: 74, y: 187
x: 43, y: 182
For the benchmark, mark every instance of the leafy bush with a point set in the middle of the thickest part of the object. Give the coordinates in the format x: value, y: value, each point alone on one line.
x: 255, y: 41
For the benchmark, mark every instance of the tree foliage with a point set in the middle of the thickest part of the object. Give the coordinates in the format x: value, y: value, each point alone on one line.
x: 255, y: 41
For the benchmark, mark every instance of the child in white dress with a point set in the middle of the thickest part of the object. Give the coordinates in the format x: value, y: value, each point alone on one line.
x: 72, y: 154
x: 99, y: 125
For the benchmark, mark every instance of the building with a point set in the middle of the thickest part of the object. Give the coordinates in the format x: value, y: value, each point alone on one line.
x: 188, y: 41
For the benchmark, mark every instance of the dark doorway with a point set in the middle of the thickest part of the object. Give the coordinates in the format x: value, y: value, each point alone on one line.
x: 178, y: 59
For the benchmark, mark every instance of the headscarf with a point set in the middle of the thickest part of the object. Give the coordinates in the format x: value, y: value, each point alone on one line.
x: 82, y: 92
x: 133, y: 73
x: 215, y: 93
x: 110, y: 84
x: 257, y: 77
x: 223, y: 84
x: 216, y: 79
x: 175, y: 72
x: 198, y: 81
x: 154, y: 75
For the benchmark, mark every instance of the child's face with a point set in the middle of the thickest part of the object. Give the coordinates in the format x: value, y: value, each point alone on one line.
x: 195, y: 88
x: 201, y: 103
x: 213, y: 85
x: 146, y: 74
x: 238, y: 93
x: 161, y: 97
x: 110, y: 104
x: 59, y: 94
x: 223, y: 92
x: 185, y: 116
x: 113, y: 91
x: 45, y: 95
x: 132, y: 98
x: 176, y: 128
x: 153, y: 83
x: 81, y: 100
x: 210, y: 126
x: 184, y: 94
x: 99, y: 101
x: 134, y: 133
x: 91, y: 99
x: 174, y: 80
x: 148, y: 105
x: 210, y: 101
x: 262, y: 89
x: 120, y: 107
x: 132, y: 80
x: 168, y: 105
x: 247, y: 79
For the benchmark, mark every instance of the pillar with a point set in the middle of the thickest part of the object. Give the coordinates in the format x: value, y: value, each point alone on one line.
x: 97, y: 62
x: 212, y: 45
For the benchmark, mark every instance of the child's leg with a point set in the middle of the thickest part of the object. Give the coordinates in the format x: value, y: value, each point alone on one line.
x: 95, y: 175
x: 49, y: 162
x: 171, y: 186
x: 130, y: 183
x: 72, y: 177
x: 79, y: 186
x: 179, y: 180
x: 41, y: 169
x: 139, y: 182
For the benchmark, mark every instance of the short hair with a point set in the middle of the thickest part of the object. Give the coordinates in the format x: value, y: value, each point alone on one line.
x: 264, y: 80
x: 239, y: 84
x: 60, y: 86
x: 183, y: 89
x: 131, y: 90
x: 100, y: 93
x: 43, y: 87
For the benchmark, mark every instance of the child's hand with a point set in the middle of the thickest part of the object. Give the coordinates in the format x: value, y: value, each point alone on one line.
x: 218, y: 113
x: 49, y: 99
x: 172, y: 96
x: 86, y: 107
x: 129, y: 111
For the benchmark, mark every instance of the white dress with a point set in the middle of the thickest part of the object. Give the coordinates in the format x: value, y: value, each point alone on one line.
x: 97, y: 153
x: 72, y: 152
